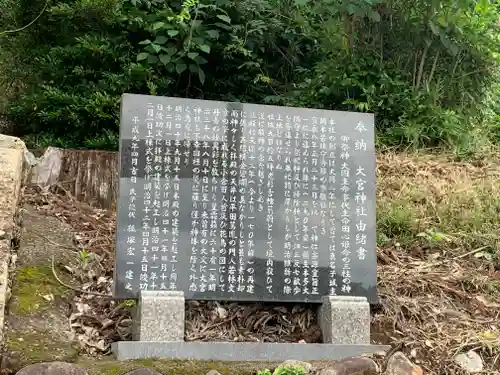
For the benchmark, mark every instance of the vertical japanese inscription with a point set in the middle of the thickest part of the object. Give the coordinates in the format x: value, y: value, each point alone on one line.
x: 156, y: 198
x: 224, y: 207
x: 287, y: 210
x: 234, y: 137
x: 250, y: 156
x: 245, y: 202
x: 132, y: 237
x: 345, y: 245
x: 296, y: 204
x: 268, y: 195
x: 360, y: 197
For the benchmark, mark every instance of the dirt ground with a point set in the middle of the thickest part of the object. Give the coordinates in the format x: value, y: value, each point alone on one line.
x: 438, y: 265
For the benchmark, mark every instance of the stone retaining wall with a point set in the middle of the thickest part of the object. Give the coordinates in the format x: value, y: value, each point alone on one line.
x: 14, y: 165
x: 88, y: 175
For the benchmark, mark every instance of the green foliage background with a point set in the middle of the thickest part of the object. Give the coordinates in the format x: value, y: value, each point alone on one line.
x: 428, y: 69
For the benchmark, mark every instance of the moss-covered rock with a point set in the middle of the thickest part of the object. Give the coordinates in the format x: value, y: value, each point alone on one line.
x: 34, y: 289
x: 37, y: 327
x: 30, y: 346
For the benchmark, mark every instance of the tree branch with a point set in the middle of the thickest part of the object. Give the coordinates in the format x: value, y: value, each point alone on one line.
x: 29, y: 24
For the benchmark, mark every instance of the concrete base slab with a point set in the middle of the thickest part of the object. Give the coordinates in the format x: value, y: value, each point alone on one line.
x: 239, y: 351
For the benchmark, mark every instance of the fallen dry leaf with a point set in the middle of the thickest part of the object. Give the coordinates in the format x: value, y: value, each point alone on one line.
x: 487, y: 303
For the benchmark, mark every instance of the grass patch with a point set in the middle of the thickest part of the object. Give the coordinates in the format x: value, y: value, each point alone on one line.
x: 395, y: 221
x: 174, y: 367
x: 416, y: 194
x: 33, y: 347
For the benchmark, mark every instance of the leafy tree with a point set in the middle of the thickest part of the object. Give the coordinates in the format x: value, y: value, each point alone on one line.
x: 425, y: 69
x: 428, y: 70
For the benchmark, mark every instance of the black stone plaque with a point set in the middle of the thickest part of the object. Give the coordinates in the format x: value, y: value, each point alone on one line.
x: 233, y: 201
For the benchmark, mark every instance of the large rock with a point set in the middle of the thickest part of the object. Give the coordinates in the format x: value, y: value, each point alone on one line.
x: 29, y: 160
x: 10, y: 362
x: 8, y: 141
x: 143, y: 371
x: 47, y: 171
x: 352, y: 366
x: 293, y: 363
x: 470, y: 361
x: 52, y: 368
x: 399, y: 364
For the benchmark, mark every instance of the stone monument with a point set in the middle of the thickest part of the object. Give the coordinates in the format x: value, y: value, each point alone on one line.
x: 245, y: 202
